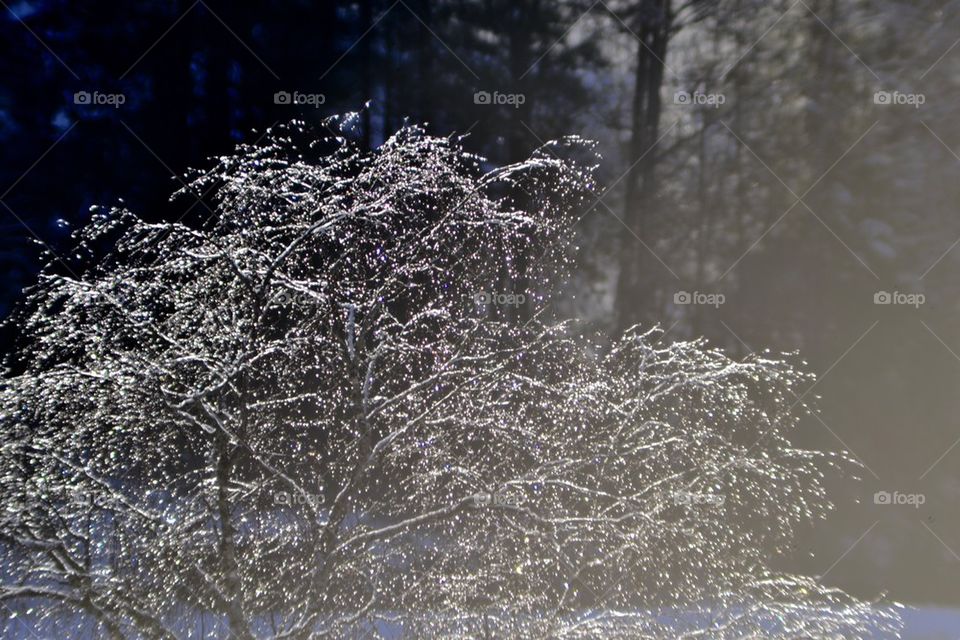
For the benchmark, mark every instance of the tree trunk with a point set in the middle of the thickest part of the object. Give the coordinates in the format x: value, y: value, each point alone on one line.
x: 525, y: 13
x: 635, y: 282
x: 424, y: 47
x: 228, y: 551
x: 366, y: 67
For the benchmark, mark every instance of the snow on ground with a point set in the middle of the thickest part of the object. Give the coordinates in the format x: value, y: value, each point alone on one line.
x: 920, y: 623
x: 931, y: 623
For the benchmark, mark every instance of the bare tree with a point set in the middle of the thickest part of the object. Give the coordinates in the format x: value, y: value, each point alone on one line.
x: 303, y: 420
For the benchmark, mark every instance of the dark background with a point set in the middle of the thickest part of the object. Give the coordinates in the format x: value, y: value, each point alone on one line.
x: 798, y: 199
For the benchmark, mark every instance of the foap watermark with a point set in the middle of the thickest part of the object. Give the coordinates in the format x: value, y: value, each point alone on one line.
x: 910, y: 299
x: 486, y: 298
x: 299, y: 99
x: 899, y: 98
x: 293, y: 299
x: 87, y: 498
x: 499, y: 99
x: 98, y: 99
x: 496, y: 500
x: 698, y: 98
x: 900, y: 499
x: 711, y: 299
x: 295, y: 499
x: 106, y: 497
x: 695, y: 499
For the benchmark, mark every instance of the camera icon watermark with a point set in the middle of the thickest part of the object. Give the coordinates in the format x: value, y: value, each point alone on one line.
x: 498, y: 99
x: 896, y: 498
x: 82, y: 498
x: 97, y: 99
x: 299, y: 99
x: 710, y: 299
x: 886, y: 98
x: 697, y: 98
x: 909, y: 299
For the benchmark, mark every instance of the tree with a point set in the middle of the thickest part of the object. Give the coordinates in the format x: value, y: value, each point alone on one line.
x: 654, y: 18
x: 302, y: 419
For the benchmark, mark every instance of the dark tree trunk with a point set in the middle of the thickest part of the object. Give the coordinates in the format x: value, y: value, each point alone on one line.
x: 424, y: 46
x: 521, y: 57
x: 635, y: 282
x: 366, y: 67
x: 228, y: 551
